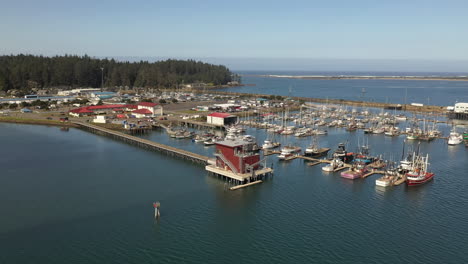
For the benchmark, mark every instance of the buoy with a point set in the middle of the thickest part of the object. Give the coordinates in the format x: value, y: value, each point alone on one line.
x: 156, y: 206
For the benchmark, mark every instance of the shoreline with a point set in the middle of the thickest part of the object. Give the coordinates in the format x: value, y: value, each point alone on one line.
x: 31, y: 121
x: 407, y: 107
x: 316, y: 77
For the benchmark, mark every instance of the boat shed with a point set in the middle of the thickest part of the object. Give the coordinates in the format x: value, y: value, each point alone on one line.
x: 221, y: 119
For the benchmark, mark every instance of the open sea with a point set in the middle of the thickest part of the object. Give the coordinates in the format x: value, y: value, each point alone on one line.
x: 76, y: 197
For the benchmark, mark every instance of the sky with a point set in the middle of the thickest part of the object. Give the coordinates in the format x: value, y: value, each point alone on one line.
x: 283, y: 35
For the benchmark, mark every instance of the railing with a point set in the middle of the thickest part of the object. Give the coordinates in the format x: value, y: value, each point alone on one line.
x: 226, y: 161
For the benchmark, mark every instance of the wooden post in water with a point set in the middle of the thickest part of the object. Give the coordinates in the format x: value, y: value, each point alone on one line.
x: 156, y: 206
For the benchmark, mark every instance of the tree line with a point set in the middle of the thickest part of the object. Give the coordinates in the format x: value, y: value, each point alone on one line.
x: 24, y: 72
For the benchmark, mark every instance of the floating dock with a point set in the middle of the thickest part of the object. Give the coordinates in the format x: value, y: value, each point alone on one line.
x: 144, y: 143
x: 245, y: 185
x: 372, y: 173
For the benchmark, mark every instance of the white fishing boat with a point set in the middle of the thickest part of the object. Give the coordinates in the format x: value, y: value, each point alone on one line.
x: 288, y: 151
x: 455, y: 138
x: 334, y: 164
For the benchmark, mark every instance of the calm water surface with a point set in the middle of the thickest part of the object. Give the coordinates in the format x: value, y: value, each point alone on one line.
x: 75, y: 197
x: 435, y: 92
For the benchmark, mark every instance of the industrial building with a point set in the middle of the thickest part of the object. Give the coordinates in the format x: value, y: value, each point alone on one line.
x: 221, y: 119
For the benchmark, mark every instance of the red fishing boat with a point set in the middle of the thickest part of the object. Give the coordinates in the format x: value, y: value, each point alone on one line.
x: 419, y: 173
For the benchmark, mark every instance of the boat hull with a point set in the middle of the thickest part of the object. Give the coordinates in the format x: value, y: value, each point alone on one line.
x: 411, y: 182
x: 319, y: 153
x: 351, y: 175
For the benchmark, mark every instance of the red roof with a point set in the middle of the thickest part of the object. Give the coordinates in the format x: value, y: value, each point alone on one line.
x: 81, y: 110
x: 148, y: 104
x: 142, y: 111
x: 109, y: 106
x: 222, y: 115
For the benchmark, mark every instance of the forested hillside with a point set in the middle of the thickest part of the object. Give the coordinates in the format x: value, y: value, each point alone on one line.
x: 28, y: 71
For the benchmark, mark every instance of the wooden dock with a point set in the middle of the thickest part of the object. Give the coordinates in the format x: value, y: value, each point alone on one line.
x: 341, y: 168
x: 245, y: 185
x: 144, y: 143
x: 399, y: 181
x: 372, y: 173
x: 270, y: 152
x: 314, y: 163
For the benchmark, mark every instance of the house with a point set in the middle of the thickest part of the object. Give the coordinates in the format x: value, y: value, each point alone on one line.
x: 221, y: 119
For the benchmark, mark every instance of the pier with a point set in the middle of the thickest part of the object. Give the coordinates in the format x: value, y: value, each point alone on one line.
x: 199, y: 125
x: 144, y: 143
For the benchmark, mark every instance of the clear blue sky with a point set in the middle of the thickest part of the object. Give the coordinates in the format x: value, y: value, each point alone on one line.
x: 396, y: 31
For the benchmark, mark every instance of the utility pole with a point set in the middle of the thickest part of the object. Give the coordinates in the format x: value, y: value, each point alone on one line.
x: 102, y: 78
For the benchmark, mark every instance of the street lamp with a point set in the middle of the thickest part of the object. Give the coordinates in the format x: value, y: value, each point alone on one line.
x: 102, y: 78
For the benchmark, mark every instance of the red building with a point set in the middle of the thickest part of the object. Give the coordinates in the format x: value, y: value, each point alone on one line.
x: 237, y: 155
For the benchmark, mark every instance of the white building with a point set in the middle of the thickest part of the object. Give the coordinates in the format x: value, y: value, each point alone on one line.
x: 155, y: 109
x: 461, y: 108
x: 221, y: 119
x: 100, y: 119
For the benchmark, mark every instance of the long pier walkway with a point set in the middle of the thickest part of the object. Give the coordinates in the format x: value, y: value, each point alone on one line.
x: 144, y: 143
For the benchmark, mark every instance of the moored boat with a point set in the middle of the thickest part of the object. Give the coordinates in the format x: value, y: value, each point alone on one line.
x: 288, y: 151
x: 419, y: 173
x: 454, y: 138
x: 355, y: 172
x: 334, y: 164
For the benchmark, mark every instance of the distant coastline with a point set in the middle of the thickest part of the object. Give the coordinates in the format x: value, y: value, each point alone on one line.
x: 351, y: 77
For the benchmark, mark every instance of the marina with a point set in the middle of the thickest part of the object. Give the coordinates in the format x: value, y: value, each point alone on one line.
x: 249, y: 132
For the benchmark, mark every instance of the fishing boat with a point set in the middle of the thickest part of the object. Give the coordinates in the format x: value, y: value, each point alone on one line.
x: 211, y: 141
x: 412, y: 136
x: 357, y: 171
x: 200, y: 138
x: 314, y: 150
x: 363, y: 156
x: 342, y: 154
x: 392, y: 132
x: 419, y: 173
x: 378, y: 130
x: 400, y: 117
x: 288, y: 151
x: 454, y: 138
x: 268, y: 144
x: 390, y: 176
x: 335, y: 164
